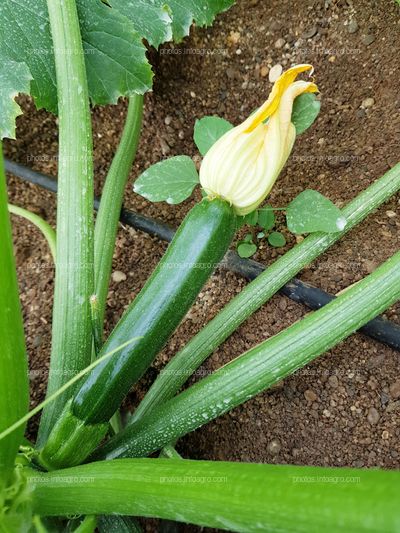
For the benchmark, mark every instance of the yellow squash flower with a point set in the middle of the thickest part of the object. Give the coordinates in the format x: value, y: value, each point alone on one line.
x: 243, y: 165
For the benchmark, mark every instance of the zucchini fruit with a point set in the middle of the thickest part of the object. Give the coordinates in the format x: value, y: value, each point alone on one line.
x: 198, y: 246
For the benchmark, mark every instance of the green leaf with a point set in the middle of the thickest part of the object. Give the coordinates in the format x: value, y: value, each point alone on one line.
x: 14, y: 79
x: 266, y: 218
x: 152, y: 21
x: 116, y: 62
x: 208, y: 130
x: 276, y: 239
x: 184, y: 12
x: 115, y: 57
x: 311, y: 212
x: 251, y: 218
x: 305, y: 110
x: 246, y: 249
x: 171, y: 181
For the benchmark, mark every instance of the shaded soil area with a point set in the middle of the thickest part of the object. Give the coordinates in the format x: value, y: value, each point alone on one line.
x: 343, y: 409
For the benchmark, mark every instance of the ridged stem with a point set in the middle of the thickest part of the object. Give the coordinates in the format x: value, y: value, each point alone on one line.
x: 111, y: 200
x: 231, y: 496
x: 74, y: 282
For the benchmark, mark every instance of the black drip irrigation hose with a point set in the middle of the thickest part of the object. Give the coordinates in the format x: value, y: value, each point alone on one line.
x: 380, y: 328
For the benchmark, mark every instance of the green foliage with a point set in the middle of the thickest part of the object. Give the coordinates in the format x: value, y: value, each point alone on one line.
x: 276, y: 239
x: 115, y: 58
x: 310, y: 211
x: 266, y: 218
x: 306, y: 108
x: 246, y: 248
x: 208, y: 130
x: 14, y: 78
x: 171, y: 180
x: 150, y: 20
x: 112, y: 38
x: 184, y: 12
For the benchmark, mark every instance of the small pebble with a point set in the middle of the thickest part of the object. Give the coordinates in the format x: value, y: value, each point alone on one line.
x: 310, y: 395
x: 311, y: 32
x: 352, y: 26
x: 168, y: 120
x: 385, y: 434
x: 274, y: 447
x: 373, y: 416
x: 367, y: 102
x: 280, y: 43
x: 274, y: 73
x: 333, y: 381
x: 390, y: 214
x: 368, y: 39
x: 264, y: 71
x: 394, y: 389
x: 118, y: 276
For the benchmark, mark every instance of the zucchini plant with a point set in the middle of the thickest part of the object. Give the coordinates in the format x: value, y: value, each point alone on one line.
x: 45, y: 486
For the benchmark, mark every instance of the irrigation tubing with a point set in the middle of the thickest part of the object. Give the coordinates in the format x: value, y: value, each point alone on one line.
x: 380, y: 328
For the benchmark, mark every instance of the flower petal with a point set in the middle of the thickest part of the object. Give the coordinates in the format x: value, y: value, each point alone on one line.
x: 271, y: 105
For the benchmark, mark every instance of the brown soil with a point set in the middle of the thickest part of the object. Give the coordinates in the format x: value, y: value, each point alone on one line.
x: 343, y: 409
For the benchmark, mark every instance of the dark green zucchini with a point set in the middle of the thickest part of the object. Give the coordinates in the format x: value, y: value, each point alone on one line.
x: 198, y: 246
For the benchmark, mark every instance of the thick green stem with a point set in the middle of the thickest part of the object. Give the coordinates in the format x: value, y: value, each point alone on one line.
x: 14, y: 386
x: 231, y: 496
x: 111, y: 199
x: 254, y: 295
x: 261, y: 367
x: 74, y: 283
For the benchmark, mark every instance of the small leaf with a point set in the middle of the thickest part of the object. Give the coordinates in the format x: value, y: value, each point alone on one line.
x: 15, y: 78
x: 266, y: 218
x: 311, y: 212
x: 246, y: 249
x: 305, y: 110
x: 260, y: 235
x: 171, y: 181
x: 276, y: 239
x: 248, y: 238
x: 208, y: 130
x: 251, y: 218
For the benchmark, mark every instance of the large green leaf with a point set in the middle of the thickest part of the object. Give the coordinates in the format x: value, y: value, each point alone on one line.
x: 152, y: 21
x: 114, y: 53
x: 185, y: 12
x: 112, y: 40
x: 14, y: 78
x: 116, y: 61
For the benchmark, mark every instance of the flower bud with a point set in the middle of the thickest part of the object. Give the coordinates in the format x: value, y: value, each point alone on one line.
x: 243, y: 165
